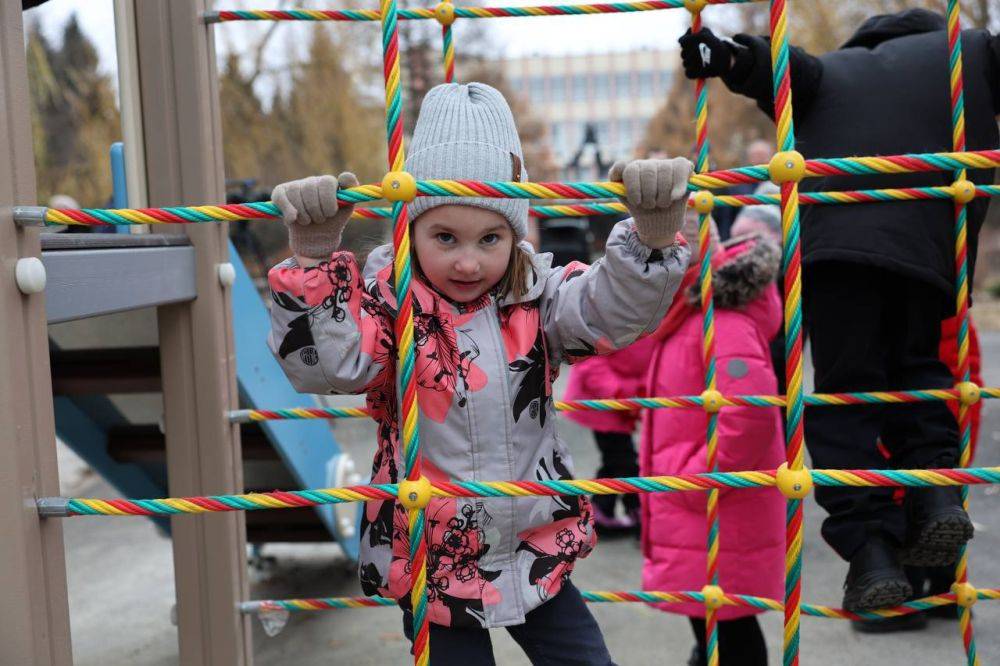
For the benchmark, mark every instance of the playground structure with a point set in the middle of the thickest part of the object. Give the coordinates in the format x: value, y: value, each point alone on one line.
x: 182, y: 162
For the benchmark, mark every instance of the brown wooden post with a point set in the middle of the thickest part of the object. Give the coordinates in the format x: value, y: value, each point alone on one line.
x: 184, y: 165
x: 34, y: 612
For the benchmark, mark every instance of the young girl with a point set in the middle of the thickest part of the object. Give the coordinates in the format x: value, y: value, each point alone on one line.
x: 493, y: 321
x: 752, y: 527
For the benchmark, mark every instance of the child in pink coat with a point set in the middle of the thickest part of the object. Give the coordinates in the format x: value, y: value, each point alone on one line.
x: 752, y: 527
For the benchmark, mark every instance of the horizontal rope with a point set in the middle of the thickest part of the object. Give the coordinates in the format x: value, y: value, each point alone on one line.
x: 636, y: 596
x: 280, y: 499
x: 596, y: 190
x: 738, y: 201
x: 228, y: 16
x: 633, y: 404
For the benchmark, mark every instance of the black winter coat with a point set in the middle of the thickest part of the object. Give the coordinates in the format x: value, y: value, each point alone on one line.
x: 885, y: 92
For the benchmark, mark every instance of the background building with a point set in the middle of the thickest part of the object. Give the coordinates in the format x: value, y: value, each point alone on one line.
x: 615, y: 92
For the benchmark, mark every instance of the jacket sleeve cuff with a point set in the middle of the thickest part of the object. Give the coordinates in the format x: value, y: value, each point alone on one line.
x: 743, y: 60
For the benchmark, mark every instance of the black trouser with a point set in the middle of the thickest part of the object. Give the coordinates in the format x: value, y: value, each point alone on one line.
x: 873, y: 330
x: 559, y: 632
x: 618, y: 458
x: 741, y: 642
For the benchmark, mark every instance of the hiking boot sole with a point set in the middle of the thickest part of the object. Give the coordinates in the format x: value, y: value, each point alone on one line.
x: 939, y: 541
x: 880, y: 594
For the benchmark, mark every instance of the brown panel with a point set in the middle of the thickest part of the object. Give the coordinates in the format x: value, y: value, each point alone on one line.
x: 184, y: 166
x: 34, y: 613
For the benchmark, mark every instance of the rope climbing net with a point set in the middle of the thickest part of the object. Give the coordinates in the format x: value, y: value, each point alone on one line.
x: 787, y: 168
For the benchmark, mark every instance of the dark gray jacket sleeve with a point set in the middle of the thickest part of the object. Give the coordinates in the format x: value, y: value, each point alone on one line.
x: 751, y: 74
x: 608, y: 305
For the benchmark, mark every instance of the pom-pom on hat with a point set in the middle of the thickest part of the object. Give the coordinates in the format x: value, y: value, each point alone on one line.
x: 467, y: 132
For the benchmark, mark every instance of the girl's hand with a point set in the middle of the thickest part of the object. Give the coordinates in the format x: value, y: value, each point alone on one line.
x: 656, y: 195
x: 314, y: 217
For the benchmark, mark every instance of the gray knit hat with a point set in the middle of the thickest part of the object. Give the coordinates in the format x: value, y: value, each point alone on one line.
x: 467, y: 132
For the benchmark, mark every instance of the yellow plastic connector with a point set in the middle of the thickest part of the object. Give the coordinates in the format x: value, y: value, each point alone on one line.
x: 968, y: 393
x: 444, y: 12
x: 963, y: 191
x: 399, y: 186
x: 695, y: 6
x: 415, y: 494
x: 965, y: 594
x: 794, y: 483
x: 787, y: 167
x: 704, y: 201
x: 711, y: 401
x: 715, y: 598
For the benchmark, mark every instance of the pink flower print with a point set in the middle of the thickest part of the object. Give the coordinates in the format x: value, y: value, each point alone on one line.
x: 443, y: 371
x: 519, y: 327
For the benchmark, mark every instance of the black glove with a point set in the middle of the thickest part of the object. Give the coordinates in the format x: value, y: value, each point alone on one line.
x: 704, y: 54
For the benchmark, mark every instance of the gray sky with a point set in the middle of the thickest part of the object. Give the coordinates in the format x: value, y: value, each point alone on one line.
x: 516, y: 36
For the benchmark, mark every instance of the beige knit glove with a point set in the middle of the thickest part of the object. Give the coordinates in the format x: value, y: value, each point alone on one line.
x: 314, y: 217
x: 656, y: 196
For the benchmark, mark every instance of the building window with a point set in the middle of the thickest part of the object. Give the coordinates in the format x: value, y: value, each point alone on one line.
x: 623, y: 84
x: 602, y: 86
x: 557, y: 89
x: 646, y: 84
x: 603, y: 129
x: 663, y: 81
x: 579, y: 88
x: 537, y: 92
x: 639, y: 128
x: 625, y: 140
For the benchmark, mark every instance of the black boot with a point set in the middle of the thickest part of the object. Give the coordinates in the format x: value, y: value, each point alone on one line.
x: 875, y: 579
x: 939, y: 580
x: 936, y: 526
x: 911, y: 622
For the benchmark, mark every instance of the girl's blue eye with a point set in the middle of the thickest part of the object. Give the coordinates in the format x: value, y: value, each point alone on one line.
x: 489, y: 239
x: 446, y: 238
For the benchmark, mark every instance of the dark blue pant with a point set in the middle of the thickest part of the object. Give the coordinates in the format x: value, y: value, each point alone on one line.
x: 873, y: 330
x: 560, y: 632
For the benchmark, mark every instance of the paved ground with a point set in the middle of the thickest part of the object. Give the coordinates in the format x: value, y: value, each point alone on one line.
x: 120, y: 570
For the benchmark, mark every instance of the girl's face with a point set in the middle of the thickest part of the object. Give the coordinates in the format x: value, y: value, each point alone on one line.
x: 463, y: 250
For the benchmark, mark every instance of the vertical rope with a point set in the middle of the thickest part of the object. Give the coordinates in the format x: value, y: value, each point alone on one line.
x: 791, y: 263
x: 962, y: 301
x: 444, y: 12
x: 409, y: 411
x: 702, y: 165
x: 448, y: 54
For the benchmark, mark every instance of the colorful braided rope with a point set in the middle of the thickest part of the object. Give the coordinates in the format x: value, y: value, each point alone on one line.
x: 448, y: 51
x: 635, y: 404
x: 292, y: 499
x: 793, y: 326
x: 957, y: 97
x: 227, y: 16
x: 638, y: 596
x: 268, y: 211
x: 599, y: 190
x: 405, y: 361
x: 705, y: 251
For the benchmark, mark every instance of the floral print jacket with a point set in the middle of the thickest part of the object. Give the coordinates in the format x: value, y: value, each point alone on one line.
x: 484, y: 372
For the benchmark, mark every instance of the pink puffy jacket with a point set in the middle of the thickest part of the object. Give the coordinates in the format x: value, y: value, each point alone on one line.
x: 674, y: 528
